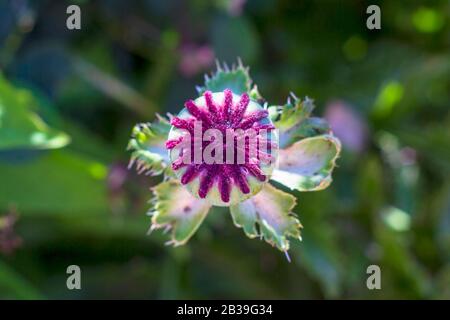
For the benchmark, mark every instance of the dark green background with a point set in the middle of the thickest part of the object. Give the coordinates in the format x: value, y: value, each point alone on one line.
x: 386, y: 93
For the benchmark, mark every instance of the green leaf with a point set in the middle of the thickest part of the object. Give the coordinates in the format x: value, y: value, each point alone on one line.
x: 233, y: 37
x: 148, y: 147
x: 307, y: 164
x: 57, y: 182
x: 317, y: 254
x: 236, y: 78
x: 20, y: 126
x: 177, y: 210
x: 270, y: 209
x: 14, y: 286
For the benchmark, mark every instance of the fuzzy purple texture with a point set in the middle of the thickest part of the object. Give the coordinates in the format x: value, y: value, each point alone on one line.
x: 227, y: 115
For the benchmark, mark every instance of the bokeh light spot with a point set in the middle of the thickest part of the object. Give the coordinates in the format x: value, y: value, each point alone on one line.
x: 427, y: 20
x: 389, y: 96
x: 355, y: 48
x: 396, y: 219
x: 98, y: 171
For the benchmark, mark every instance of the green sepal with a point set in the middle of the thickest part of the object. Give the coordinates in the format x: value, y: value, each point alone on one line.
x: 292, y: 113
x: 307, y: 164
x: 176, y: 210
x: 294, y: 121
x: 255, y: 95
x: 310, y: 127
x: 268, y: 215
x: 236, y: 78
x: 148, y: 148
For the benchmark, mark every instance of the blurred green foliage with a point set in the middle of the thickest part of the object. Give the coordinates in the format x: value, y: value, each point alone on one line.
x: 386, y: 94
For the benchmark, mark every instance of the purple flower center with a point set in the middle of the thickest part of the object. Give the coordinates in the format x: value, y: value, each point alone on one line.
x: 241, y: 147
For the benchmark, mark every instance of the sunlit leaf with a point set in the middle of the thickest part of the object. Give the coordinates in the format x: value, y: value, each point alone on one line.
x: 268, y: 215
x: 294, y: 122
x: 236, y: 78
x: 177, y: 210
x: 148, y: 148
x: 57, y: 182
x: 292, y: 113
x: 20, y: 126
x: 307, y: 164
x: 233, y: 37
x: 310, y: 127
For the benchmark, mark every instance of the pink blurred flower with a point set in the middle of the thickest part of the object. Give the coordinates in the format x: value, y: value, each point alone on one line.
x: 195, y: 59
x: 116, y: 177
x: 347, y: 125
x: 408, y: 156
x: 236, y: 7
x: 9, y: 240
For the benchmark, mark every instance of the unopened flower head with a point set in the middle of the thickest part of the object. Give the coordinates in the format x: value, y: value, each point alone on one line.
x: 229, y: 147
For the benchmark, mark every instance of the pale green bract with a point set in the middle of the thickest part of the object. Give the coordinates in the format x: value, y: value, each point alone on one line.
x: 268, y: 215
x: 307, y: 164
x: 147, y: 145
x: 177, y: 210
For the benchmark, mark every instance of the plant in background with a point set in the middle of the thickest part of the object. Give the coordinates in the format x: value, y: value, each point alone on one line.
x: 300, y: 154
